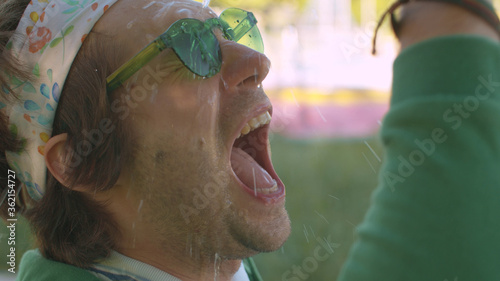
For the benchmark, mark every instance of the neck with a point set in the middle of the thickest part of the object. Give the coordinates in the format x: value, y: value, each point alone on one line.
x: 189, y: 255
x: 186, y: 262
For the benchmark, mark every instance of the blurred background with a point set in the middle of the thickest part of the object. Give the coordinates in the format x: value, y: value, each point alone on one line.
x: 329, y: 95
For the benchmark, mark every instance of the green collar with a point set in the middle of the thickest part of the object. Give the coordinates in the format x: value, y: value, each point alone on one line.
x: 251, y: 269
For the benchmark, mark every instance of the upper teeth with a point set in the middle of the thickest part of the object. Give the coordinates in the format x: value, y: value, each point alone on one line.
x: 255, y: 123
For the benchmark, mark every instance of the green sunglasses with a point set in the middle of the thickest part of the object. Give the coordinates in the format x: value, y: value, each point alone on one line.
x: 194, y: 42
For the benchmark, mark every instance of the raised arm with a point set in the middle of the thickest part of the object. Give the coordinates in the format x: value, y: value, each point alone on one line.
x: 434, y: 215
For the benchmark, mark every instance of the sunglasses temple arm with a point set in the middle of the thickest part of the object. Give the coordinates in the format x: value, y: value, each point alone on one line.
x: 117, y: 78
x: 244, y: 27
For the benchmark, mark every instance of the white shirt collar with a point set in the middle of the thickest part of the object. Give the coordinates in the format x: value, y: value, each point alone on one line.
x: 119, y: 265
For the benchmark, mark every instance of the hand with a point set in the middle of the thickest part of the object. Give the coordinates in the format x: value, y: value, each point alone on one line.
x: 425, y: 20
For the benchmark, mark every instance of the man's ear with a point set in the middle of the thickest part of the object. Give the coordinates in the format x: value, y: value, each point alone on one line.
x: 55, y: 158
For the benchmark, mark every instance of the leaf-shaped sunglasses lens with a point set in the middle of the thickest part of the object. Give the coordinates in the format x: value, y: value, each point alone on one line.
x: 195, y: 44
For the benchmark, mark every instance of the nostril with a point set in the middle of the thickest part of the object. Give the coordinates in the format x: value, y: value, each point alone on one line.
x: 252, y: 80
x: 242, y: 66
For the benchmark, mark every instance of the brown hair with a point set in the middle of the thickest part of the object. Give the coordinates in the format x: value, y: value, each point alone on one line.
x: 10, y: 14
x: 70, y: 226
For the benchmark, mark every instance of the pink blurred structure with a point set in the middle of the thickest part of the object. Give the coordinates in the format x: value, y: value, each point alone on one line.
x: 328, y: 116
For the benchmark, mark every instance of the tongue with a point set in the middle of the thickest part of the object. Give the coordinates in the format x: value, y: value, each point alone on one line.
x: 249, y: 171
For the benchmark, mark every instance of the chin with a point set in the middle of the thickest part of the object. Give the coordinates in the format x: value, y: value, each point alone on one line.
x: 263, y: 236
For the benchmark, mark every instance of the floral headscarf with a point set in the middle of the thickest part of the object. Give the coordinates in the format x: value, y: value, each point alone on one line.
x: 47, y: 41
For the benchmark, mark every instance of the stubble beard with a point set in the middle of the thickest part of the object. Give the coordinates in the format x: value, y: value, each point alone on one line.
x: 219, y: 228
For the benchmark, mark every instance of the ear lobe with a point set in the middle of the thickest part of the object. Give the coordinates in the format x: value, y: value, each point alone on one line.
x: 55, y: 156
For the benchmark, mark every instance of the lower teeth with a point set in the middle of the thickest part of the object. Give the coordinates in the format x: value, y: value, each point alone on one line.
x: 268, y: 190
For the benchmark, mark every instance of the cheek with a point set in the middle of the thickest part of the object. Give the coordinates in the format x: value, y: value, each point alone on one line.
x: 190, y: 109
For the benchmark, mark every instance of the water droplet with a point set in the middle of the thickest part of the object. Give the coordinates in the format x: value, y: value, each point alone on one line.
x: 254, y: 183
x: 154, y: 93
x: 216, y: 267
x: 226, y: 86
x: 306, y: 233
x: 140, y: 206
x: 149, y: 5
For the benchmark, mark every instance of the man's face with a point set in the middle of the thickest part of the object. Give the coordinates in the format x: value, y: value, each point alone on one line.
x: 193, y: 179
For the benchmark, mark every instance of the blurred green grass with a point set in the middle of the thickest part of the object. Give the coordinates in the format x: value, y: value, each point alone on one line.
x: 329, y: 183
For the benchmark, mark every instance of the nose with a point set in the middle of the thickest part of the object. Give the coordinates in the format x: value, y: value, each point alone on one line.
x: 242, y: 67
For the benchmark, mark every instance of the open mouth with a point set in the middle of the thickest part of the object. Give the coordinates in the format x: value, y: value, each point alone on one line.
x: 251, y: 161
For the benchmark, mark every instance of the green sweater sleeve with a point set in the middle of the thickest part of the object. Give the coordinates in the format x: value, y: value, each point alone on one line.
x: 34, y: 267
x: 435, y: 215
